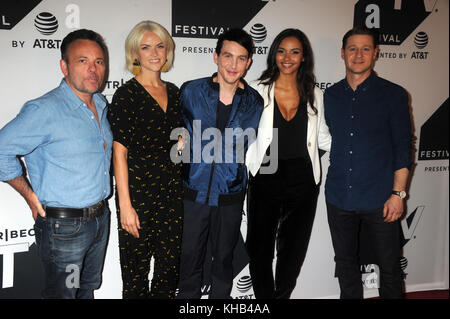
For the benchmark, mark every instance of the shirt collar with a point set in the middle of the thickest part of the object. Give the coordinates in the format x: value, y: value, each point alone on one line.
x: 365, y: 85
x: 215, y: 85
x: 75, y: 102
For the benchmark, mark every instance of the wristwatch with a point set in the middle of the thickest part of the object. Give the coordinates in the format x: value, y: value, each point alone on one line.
x: 402, y: 194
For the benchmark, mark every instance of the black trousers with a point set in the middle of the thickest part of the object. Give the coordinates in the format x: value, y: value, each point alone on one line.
x: 345, y: 227
x: 221, y: 226
x: 159, y: 238
x: 281, y: 210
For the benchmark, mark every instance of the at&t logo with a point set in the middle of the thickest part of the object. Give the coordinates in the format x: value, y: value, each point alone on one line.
x: 258, y: 32
x: 46, y: 23
x: 244, y: 284
x: 421, y: 40
x: 244, y: 288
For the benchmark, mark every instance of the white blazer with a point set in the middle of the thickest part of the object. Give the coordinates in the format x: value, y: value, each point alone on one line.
x: 317, y: 137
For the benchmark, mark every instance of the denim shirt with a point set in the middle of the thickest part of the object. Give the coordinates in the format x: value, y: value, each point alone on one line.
x: 371, y: 131
x: 63, y: 147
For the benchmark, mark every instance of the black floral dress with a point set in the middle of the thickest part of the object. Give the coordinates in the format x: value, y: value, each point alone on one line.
x: 139, y: 124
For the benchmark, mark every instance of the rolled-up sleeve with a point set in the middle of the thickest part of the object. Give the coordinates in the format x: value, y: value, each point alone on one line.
x: 400, y: 123
x: 20, y: 137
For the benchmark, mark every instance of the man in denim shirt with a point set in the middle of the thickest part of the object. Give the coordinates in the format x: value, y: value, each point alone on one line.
x: 66, y: 141
x: 368, y: 118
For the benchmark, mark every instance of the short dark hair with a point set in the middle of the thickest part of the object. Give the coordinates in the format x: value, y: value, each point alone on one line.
x: 81, y: 34
x: 361, y: 30
x: 236, y: 35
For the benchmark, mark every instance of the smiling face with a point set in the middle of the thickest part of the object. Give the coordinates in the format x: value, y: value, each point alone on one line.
x: 232, y: 63
x: 359, y: 54
x: 289, y: 56
x: 152, y: 52
x: 84, y: 69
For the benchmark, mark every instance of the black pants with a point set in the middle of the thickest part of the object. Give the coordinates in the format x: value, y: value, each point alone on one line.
x: 345, y: 227
x: 281, y: 209
x: 221, y: 226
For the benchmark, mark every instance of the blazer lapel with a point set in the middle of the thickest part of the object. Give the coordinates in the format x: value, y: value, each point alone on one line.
x: 312, y: 123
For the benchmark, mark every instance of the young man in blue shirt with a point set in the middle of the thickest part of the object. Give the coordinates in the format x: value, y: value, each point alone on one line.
x: 215, y: 178
x: 66, y: 141
x: 370, y: 158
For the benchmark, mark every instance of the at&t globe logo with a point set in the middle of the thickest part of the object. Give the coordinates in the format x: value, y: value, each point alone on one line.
x: 46, y: 23
x: 421, y: 40
x: 244, y: 284
x: 258, y: 32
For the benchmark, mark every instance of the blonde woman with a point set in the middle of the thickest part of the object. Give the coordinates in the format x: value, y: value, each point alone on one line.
x: 143, y: 113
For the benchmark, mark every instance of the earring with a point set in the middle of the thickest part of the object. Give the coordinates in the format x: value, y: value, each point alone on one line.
x: 136, y: 67
x: 164, y: 67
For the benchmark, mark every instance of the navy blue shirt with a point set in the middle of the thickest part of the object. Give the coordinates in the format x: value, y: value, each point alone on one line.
x: 371, y: 132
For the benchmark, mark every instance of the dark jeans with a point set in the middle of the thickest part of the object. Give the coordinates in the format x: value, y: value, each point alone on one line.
x: 72, y: 252
x: 345, y: 227
x: 281, y: 210
x: 219, y: 225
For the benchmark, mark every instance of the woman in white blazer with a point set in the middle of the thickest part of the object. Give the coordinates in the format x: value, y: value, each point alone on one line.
x: 284, y: 166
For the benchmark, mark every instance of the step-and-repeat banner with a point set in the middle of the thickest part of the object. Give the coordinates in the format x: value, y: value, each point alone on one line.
x: 414, y: 53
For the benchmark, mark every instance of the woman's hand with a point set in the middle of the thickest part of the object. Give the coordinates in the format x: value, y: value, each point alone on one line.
x: 130, y: 221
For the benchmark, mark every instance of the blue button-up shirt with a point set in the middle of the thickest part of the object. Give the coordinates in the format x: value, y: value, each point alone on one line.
x: 371, y: 131
x: 63, y: 146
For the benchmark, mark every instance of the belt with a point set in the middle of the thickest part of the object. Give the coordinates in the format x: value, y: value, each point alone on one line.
x: 64, y: 212
x: 224, y: 199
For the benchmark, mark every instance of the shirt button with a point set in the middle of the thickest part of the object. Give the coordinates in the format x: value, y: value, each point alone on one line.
x: 351, y: 134
x: 351, y: 152
x: 309, y: 144
x: 350, y: 187
x: 352, y: 117
x: 353, y: 99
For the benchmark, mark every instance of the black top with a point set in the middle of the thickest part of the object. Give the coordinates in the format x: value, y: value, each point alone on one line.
x: 291, y: 134
x: 223, y: 115
x: 139, y: 123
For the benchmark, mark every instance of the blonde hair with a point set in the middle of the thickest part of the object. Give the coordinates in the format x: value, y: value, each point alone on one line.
x: 134, y: 40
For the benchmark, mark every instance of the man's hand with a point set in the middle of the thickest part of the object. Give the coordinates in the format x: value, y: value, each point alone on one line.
x: 393, y: 209
x: 35, y: 206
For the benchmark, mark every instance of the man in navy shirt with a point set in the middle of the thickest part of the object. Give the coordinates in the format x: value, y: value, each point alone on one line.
x: 370, y: 157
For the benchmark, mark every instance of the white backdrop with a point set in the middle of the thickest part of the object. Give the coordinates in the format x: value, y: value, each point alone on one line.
x: 30, y: 67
